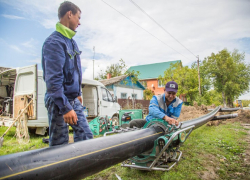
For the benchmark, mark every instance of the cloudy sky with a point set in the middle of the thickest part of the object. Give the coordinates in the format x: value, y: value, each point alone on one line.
x: 138, y: 31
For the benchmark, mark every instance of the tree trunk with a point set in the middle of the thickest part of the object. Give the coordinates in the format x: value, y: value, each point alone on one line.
x: 230, y: 103
x: 224, y: 99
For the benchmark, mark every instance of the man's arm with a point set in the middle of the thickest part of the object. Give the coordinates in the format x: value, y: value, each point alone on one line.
x: 154, y: 109
x: 54, y: 59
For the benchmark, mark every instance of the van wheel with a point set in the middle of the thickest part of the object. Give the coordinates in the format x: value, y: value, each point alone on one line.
x: 115, y: 121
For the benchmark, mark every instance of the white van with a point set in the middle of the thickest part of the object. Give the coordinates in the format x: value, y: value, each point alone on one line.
x: 18, y: 86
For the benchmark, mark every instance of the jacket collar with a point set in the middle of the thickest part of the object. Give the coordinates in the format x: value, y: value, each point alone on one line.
x: 65, y: 31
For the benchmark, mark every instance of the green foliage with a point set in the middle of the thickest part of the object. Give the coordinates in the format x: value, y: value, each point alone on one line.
x: 147, y: 94
x: 134, y: 75
x: 117, y: 69
x: 229, y: 74
x: 246, y: 103
x: 209, y: 98
x: 185, y: 77
x: 11, y: 145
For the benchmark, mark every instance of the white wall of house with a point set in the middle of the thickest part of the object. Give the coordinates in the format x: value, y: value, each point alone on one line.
x: 128, y: 92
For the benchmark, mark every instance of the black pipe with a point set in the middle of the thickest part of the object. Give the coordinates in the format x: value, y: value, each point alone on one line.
x: 229, y: 109
x: 201, y: 120
x: 226, y: 116
x: 226, y: 109
x: 80, y: 159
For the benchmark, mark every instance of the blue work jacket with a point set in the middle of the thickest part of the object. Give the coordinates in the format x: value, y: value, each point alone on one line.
x: 158, y: 108
x: 61, y: 70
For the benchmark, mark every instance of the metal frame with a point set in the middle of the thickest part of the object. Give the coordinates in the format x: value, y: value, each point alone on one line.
x: 151, y: 167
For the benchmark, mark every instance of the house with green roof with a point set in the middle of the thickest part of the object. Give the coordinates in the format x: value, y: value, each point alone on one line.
x: 149, y: 74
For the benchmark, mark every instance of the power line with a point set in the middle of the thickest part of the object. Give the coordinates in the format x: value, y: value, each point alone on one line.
x: 143, y: 29
x: 160, y: 26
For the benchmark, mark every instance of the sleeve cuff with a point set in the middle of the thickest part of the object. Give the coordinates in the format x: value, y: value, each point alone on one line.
x: 66, y: 108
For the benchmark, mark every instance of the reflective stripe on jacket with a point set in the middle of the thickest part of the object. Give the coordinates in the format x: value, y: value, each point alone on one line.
x: 159, y: 109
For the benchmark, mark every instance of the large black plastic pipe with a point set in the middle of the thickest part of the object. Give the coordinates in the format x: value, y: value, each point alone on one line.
x: 201, y: 120
x: 226, y: 116
x: 80, y: 159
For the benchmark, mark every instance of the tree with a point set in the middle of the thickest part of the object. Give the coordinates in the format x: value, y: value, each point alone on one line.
x: 185, y: 77
x: 229, y: 73
x: 117, y: 69
x: 147, y: 94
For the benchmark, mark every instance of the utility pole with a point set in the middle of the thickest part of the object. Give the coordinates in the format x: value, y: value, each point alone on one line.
x: 93, y: 62
x: 199, y: 75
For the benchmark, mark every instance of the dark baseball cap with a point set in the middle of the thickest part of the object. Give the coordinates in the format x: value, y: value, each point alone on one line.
x: 171, y: 86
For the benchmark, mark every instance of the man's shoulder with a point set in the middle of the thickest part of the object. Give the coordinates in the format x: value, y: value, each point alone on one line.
x: 177, y: 102
x: 54, y: 37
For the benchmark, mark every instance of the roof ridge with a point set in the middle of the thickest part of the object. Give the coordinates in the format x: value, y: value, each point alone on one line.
x: 155, y: 63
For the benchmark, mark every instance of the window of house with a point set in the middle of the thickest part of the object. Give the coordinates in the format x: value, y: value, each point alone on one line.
x: 160, y: 83
x: 134, y: 96
x: 123, y: 95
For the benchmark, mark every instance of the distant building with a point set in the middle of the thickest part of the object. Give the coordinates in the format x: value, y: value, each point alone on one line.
x: 3, y: 69
x: 149, y: 74
x: 123, y: 88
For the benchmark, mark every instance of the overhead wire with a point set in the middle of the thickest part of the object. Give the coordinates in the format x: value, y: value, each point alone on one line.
x: 144, y: 29
x: 160, y: 26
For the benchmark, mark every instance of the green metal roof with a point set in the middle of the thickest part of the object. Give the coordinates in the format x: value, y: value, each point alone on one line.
x: 152, y: 71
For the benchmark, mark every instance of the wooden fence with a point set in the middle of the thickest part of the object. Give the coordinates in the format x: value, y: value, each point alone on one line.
x: 134, y: 104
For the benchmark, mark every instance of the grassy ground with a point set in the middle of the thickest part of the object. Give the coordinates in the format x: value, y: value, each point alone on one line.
x: 210, y: 152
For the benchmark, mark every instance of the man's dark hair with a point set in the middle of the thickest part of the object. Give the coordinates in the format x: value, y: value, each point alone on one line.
x: 67, y: 6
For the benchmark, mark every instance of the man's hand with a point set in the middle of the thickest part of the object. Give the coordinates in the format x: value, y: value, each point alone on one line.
x: 171, y: 121
x: 80, y: 98
x: 70, y: 117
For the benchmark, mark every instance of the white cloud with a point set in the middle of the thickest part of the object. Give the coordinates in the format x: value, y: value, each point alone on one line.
x: 202, y: 26
x: 36, y: 60
x: 99, y: 66
x: 245, y: 96
x: 16, y: 48
x: 31, y: 47
x: 30, y: 43
x: 12, y: 16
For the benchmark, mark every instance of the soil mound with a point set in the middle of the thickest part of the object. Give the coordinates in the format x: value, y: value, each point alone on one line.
x: 192, y: 112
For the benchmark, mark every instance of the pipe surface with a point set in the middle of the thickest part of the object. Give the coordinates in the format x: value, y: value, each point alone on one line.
x: 197, y: 122
x: 80, y: 159
x: 226, y: 116
x: 226, y: 109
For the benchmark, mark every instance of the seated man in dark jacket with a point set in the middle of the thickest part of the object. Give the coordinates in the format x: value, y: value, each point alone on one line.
x: 165, y: 106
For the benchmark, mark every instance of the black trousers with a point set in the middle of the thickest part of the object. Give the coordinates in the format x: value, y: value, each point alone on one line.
x: 137, y: 123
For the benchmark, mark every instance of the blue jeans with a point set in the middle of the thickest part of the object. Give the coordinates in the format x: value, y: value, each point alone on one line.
x: 58, y: 129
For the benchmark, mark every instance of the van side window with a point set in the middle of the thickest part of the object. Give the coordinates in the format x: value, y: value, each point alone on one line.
x: 106, y: 96
x: 109, y: 96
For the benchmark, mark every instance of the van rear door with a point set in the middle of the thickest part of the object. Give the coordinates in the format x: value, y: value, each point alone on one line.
x: 25, y: 90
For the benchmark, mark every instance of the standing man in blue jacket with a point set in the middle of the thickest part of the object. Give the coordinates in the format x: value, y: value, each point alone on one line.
x: 63, y: 76
x: 165, y: 106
